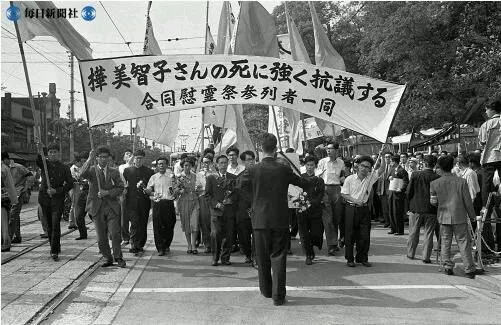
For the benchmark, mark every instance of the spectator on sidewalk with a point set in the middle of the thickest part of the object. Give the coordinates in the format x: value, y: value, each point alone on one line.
x: 124, y: 214
x: 9, y: 197
x: 455, y: 209
x: 422, y: 213
x: 399, y: 180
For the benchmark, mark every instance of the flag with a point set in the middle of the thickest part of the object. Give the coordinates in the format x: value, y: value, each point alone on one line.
x: 325, y: 56
x: 60, y: 29
x: 161, y: 128
x: 232, y: 115
x: 210, y: 45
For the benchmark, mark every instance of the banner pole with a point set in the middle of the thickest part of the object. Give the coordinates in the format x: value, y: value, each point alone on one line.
x: 276, y: 127
x: 304, y: 133
x: 36, y: 127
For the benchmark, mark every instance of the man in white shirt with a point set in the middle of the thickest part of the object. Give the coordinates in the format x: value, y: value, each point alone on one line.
x: 234, y: 167
x: 124, y: 216
x: 332, y: 170
x: 356, y: 191
x: 465, y: 172
x: 75, y: 191
x: 160, y: 189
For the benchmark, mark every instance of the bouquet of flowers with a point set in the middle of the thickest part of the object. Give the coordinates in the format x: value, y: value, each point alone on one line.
x: 228, y: 188
x: 179, y: 185
x: 156, y: 196
x: 302, y: 203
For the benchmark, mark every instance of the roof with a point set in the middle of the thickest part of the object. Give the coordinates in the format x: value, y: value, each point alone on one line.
x: 404, y: 138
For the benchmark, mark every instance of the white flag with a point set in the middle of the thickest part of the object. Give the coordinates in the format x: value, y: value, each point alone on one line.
x: 161, y: 128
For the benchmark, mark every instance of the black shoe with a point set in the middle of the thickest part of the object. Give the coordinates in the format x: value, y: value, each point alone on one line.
x: 471, y: 275
x: 121, y: 262
x: 279, y: 302
x: 410, y: 257
x: 449, y: 272
x: 133, y: 250
x: 391, y: 232
x: 266, y: 295
x: 107, y: 263
x: 386, y: 226
x: 225, y: 262
x: 140, y: 250
x: 16, y: 240
x: 72, y: 227
x: 80, y: 238
x: 351, y: 264
x: 479, y: 271
x: 427, y: 261
x: 167, y: 250
x: 161, y: 253
x: 215, y: 263
x: 366, y: 264
x: 248, y: 260
x: 308, y: 261
x: 55, y: 257
x: 44, y: 236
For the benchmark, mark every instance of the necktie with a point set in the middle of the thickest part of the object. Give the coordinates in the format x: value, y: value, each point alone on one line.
x: 101, y: 175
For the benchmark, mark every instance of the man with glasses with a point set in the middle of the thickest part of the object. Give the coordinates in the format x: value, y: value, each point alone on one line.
x: 234, y: 167
x: 356, y: 190
x: 137, y: 202
x: 332, y: 170
x: 383, y: 189
x: 103, y: 203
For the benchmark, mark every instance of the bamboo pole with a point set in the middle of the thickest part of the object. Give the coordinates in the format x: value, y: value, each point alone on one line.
x: 36, y: 128
x: 276, y: 127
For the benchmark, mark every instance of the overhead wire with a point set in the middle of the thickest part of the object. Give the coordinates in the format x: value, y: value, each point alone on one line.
x: 118, y: 30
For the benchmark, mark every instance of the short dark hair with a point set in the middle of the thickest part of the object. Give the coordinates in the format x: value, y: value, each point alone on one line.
x: 247, y: 153
x: 395, y: 158
x: 234, y: 149
x: 289, y: 150
x: 53, y: 146
x: 495, y: 105
x: 404, y: 154
x: 140, y: 153
x: 269, y: 142
x: 128, y: 150
x: 209, y: 156
x: 335, y: 144
x: 220, y: 157
x: 446, y: 163
x: 5, y: 155
x: 162, y: 158
x: 367, y: 159
x: 83, y: 155
x: 310, y: 158
x: 430, y: 161
x: 209, y: 150
x: 103, y: 149
x: 434, y: 151
x: 474, y: 158
x: 189, y: 160
x: 462, y: 160
x: 184, y: 155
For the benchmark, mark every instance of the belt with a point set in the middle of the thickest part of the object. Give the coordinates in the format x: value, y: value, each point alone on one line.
x: 332, y: 184
x: 356, y: 205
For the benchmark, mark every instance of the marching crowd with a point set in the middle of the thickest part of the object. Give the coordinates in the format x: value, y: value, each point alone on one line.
x: 230, y: 202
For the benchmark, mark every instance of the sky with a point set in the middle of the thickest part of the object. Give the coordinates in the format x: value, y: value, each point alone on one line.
x: 170, y: 19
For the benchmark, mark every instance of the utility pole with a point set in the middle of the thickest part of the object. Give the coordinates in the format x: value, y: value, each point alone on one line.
x: 72, y: 110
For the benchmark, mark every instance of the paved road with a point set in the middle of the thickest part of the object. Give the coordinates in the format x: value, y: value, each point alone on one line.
x: 186, y: 289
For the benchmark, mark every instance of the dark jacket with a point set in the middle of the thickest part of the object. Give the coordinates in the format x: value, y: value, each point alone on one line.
x: 216, y: 190
x: 112, y: 182
x: 135, y: 198
x: 315, y: 193
x: 60, y: 180
x: 384, y: 182
x: 418, y: 192
x: 400, y: 172
x: 269, y: 182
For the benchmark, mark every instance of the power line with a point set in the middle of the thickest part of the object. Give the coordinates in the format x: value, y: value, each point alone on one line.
x: 37, y: 83
x: 127, y: 43
x: 33, y: 62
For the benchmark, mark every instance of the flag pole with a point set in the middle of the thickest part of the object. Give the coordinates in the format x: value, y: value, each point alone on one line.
x: 304, y: 134
x: 36, y: 127
x: 202, y: 144
x: 276, y: 127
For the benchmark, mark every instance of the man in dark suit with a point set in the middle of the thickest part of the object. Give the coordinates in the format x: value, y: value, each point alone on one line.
x: 137, y: 202
x: 422, y: 212
x: 220, y: 194
x: 382, y: 190
x: 103, y: 204
x: 268, y: 182
x: 242, y: 211
x: 455, y: 209
x: 51, y: 198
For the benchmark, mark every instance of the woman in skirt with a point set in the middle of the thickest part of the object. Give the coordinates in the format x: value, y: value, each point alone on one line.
x: 187, y: 204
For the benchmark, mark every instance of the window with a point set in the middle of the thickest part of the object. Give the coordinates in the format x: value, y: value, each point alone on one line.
x: 27, y: 113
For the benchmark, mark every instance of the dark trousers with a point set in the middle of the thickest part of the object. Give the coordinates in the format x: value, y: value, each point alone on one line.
x: 15, y: 220
x: 487, y: 186
x: 205, y: 221
x: 79, y: 210
x: 138, y: 224
x: 332, y: 215
x: 357, y: 231
x: 164, y: 220
x: 385, y: 209
x: 396, y: 203
x: 43, y: 220
x: 293, y: 223
x: 53, y: 213
x: 416, y: 221
x: 124, y: 218
x: 375, y: 206
x: 222, y: 228
x: 271, y: 251
x: 245, y: 235
x: 107, y: 223
x: 311, y: 233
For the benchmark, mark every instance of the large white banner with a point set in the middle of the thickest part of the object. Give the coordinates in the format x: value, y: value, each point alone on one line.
x: 125, y: 88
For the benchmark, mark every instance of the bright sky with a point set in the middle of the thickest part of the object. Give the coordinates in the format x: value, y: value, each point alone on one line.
x: 171, y: 19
